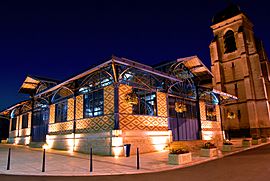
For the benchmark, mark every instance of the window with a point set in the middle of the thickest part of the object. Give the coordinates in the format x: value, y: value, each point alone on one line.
x: 236, y: 89
x: 13, y: 123
x: 210, y: 112
x: 229, y: 42
x: 239, y: 114
x: 25, y: 121
x: 147, y: 103
x: 93, y: 104
x: 61, y: 112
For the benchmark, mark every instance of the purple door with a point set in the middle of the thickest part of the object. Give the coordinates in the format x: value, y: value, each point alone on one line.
x: 184, y: 125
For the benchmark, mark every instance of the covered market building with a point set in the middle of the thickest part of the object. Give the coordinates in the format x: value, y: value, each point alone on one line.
x: 120, y: 102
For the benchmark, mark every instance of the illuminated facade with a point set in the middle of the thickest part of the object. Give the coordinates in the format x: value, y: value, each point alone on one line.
x: 241, y: 67
x: 120, y: 102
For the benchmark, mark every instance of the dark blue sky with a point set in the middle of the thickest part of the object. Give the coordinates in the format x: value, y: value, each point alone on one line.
x: 61, y: 38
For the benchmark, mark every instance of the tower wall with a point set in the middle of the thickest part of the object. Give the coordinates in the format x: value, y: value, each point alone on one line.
x: 239, y: 73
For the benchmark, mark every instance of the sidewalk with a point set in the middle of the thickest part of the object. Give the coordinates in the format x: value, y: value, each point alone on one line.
x: 28, y: 161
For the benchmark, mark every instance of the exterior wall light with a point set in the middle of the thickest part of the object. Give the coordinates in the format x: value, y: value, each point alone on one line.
x: 132, y: 98
x: 231, y: 115
x: 180, y: 107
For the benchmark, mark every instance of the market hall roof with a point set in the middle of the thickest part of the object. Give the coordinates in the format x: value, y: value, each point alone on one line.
x: 193, y: 64
x: 121, y: 61
x: 31, y: 84
x: 197, y: 67
x: 6, y: 112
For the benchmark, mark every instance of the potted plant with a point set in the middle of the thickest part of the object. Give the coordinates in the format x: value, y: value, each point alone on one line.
x: 209, y: 150
x: 227, y: 146
x: 256, y: 140
x: 264, y: 139
x: 179, y: 156
x: 246, y: 142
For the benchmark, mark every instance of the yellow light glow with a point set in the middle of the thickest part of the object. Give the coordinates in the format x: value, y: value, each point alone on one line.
x: 49, y: 141
x: 46, y: 146
x: 160, y: 142
x: 160, y: 147
x: 117, y: 141
x: 16, y: 141
x: 116, y: 132
x: 223, y: 134
x: 207, y: 135
x: 70, y: 142
x: 117, y: 151
x: 27, y: 140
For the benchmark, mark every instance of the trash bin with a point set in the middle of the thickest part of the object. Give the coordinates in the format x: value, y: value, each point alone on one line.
x: 127, y: 149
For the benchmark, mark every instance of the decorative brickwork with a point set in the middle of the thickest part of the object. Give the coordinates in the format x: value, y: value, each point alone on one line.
x: 128, y: 121
x: 210, y: 129
x: 146, y: 123
x: 70, y: 111
x: 79, y: 107
x: 61, y: 128
x: 162, y: 104
x: 124, y: 107
x: 52, y: 114
x: 95, y: 124
x: 202, y: 111
x: 109, y: 100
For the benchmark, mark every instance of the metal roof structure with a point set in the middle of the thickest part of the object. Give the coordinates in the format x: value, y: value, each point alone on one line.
x: 7, y: 111
x: 196, y: 67
x: 31, y: 83
x: 114, y: 59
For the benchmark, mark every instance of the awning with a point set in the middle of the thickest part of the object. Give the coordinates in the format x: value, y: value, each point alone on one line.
x: 7, y: 111
x: 31, y: 83
x: 225, y: 95
x: 196, y: 67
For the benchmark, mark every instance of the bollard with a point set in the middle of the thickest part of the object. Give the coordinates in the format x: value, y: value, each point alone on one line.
x: 43, y: 161
x: 91, y: 159
x: 8, y: 161
x: 138, y: 159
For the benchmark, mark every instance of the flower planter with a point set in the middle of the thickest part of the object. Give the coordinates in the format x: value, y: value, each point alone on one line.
x: 212, y: 152
x: 256, y: 141
x: 246, y: 143
x: 264, y: 140
x: 177, y: 159
x: 227, y: 147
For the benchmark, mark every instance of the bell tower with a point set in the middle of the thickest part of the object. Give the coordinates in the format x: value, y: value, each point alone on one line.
x: 241, y: 68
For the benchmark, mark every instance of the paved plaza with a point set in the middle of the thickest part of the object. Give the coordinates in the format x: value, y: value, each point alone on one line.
x: 28, y: 161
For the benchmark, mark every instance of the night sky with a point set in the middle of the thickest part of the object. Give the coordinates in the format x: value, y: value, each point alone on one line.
x: 58, y: 39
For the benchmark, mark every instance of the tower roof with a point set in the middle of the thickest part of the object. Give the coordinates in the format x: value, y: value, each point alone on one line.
x: 229, y: 12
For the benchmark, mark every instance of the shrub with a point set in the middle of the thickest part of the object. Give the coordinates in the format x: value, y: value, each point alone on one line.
x: 227, y: 142
x: 255, y: 137
x: 179, y: 151
x: 208, y: 145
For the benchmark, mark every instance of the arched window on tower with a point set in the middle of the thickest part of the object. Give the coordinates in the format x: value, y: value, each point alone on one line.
x: 229, y: 42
